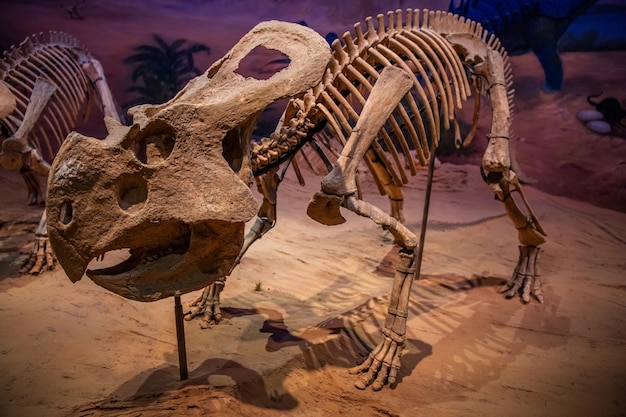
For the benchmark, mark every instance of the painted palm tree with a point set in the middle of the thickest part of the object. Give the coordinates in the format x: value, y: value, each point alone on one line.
x: 162, y: 70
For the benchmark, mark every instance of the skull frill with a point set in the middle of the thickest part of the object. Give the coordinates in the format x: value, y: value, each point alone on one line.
x: 173, y: 188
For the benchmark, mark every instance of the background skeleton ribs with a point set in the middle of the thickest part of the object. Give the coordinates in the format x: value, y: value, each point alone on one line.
x: 56, y: 57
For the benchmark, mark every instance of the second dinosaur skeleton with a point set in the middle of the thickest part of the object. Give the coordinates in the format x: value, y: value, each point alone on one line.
x: 48, y: 80
x: 173, y: 189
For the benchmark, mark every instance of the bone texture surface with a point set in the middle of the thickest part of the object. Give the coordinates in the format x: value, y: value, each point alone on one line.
x: 174, y: 190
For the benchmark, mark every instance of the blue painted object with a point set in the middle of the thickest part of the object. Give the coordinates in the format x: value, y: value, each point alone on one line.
x: 523, y: 25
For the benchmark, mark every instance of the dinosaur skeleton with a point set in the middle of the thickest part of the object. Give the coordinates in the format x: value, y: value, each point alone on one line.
x: 49, y: 81
x: 174, y: 190
x: 354, y: 64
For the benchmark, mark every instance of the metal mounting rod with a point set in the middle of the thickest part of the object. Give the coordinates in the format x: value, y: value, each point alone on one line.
x: 429, y: 186
x: 180, y: 338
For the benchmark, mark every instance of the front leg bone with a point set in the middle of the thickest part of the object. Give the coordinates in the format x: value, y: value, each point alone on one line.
x: 382, y: 365
x: 338, y: 188
x: 530, y: 232
x: 35, y: 192
x: 208, y: 304
x: 525, y: 280
x: 95, y: 72
x: 393, y: 83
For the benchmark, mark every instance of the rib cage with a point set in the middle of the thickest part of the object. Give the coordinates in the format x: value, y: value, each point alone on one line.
x: 413, y: 40
x: 56, y: 57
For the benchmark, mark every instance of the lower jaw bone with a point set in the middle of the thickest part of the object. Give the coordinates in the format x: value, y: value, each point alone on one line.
x: 153, y: 281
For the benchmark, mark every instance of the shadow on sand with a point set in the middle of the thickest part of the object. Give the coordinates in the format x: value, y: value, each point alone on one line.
x: 443, y: 302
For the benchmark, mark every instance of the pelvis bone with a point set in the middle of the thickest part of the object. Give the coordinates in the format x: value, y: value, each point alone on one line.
x: 173, y: 188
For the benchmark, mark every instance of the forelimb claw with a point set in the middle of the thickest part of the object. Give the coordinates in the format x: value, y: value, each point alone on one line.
x: 381, y: 366
x: 208, y: 305
x: 525, y: 279
x: 40, y: 259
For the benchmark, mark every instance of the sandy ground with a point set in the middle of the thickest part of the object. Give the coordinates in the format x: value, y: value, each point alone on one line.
x: 76, y: 349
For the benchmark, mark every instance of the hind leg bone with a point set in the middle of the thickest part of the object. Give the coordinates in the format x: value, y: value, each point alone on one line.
x: 338, y: 189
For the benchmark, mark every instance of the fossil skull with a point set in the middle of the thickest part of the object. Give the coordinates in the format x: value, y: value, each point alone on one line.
x: 173, y: 188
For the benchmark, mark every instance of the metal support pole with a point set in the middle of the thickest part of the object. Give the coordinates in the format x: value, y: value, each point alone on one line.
x: 180, y: 338
x: 429, y: 187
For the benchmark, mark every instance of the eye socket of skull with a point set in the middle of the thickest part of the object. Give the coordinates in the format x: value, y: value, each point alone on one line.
x: 235, y: 148
x: 154, y: 144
